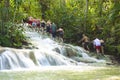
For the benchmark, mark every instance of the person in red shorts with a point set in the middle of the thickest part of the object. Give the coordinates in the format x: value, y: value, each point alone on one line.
x: 97, y: 45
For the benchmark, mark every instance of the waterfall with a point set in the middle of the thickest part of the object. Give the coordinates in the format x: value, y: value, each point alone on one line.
x: 46, y: 52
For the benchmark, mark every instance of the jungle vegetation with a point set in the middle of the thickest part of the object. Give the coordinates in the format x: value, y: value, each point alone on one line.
x: 99, y: 18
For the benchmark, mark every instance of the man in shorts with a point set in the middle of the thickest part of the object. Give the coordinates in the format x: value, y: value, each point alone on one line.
x: 85, y: 42
x: 97, y: 45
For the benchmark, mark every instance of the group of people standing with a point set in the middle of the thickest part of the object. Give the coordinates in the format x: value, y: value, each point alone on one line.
x: 98, y: 44
x: 49, y: 27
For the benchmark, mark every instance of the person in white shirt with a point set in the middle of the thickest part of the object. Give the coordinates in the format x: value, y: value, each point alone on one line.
x: 97, y: 45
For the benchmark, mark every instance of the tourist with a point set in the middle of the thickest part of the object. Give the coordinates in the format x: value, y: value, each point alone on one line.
x: 30, y: 22
x: 34, y: 24
x: 97, y: 45
x: 60, y: 32
x: 53, y: 28
x: 38, y: 25
x: 48, y: 28
x: 43, y: 25
x: 85, y: 42
x: 102, y: 46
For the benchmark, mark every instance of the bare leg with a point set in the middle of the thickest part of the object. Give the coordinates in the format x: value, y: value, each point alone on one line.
x: 102, y: 50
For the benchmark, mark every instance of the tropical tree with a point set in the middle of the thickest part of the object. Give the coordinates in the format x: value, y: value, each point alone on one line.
x: 93, y: 17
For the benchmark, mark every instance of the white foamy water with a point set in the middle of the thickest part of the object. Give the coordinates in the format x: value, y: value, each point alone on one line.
x: 47, y: 53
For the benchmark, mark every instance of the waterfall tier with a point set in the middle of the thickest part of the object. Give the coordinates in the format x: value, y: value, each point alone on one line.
x: 47, y: 53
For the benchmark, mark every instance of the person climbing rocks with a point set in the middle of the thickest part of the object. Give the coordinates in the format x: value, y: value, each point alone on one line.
x: 102, y: 45
x: 97, y: 45
x: 48, y: 27
x: 85, y: 42
x: 60, y: 32
x: 53, y: 29
x: 43, y: 25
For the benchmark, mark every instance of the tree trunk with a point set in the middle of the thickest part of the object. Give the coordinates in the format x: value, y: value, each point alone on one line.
x: 86, y: 14
x: 4, y: 15
x: 100, y: 7
x: 7, y: 5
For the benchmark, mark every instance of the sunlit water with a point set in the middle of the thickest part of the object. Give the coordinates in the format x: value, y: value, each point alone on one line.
x: 47, y: 52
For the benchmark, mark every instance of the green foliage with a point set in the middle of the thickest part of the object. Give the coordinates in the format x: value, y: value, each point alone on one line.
x: 93, y: 17
x: 10, y: 34
x: 68, y: 15
x: 101, y: 19
x: 15, y: 33
x: 4, y: 40
x: 13, y: 36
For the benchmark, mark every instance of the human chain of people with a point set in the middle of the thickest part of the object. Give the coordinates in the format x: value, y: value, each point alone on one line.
x: 50, y: 28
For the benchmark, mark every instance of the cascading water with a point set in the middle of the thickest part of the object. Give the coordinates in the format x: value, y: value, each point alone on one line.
x: 46, y: 53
